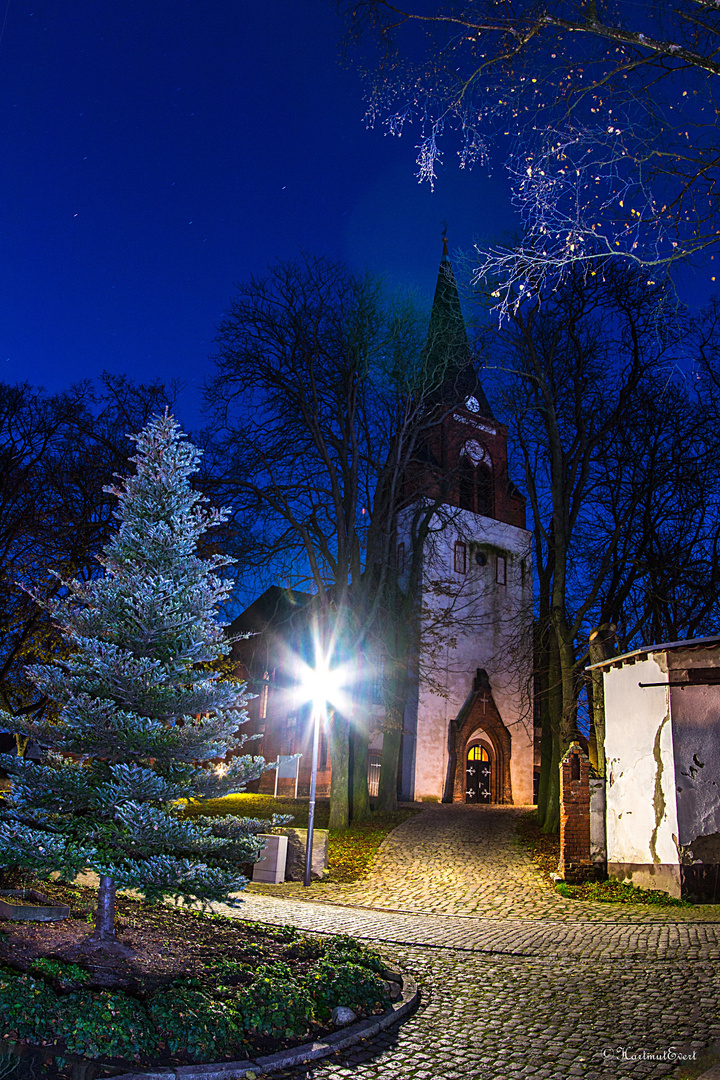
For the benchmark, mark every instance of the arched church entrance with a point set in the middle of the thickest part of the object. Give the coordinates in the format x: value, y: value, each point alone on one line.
x: 478, y: 773
x: 479, y: 750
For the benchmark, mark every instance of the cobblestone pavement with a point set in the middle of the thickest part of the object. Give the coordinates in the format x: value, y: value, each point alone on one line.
x: 466, y: 861
x: 515, y: 980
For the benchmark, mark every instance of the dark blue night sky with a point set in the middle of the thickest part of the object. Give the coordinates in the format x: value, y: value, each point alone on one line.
x: 153, y: 154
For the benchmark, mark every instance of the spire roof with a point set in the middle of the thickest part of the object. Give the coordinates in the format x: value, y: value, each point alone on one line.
x: 447, y: 348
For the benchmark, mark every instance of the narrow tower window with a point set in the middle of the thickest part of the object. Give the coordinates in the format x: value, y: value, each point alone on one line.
x: 475, y: 487
x: 501, y: 570
x: 262, y: 712
x: 401, y: 558
x: 460, y: 557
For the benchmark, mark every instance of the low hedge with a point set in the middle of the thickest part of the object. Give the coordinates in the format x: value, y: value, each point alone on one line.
x: 104, y: 1023
x: 200, y: 1021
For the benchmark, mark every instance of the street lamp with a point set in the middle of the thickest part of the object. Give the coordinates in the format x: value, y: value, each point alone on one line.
x: 320, y: 684
x: 313, y: 788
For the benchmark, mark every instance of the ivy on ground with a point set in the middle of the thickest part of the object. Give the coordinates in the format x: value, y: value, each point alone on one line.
x: 196, y: 1020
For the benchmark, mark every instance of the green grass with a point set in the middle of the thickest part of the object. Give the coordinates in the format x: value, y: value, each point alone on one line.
x: 618, y: 892
x: 350, y: 851
x: 544, y: 850
x: 263, y: 806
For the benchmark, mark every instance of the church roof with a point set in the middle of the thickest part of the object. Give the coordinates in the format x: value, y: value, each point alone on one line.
x: 447, y: 348
x: 275, y: 606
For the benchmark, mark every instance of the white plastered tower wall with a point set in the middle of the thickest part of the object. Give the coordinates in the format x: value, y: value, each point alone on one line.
x: 468, y: 621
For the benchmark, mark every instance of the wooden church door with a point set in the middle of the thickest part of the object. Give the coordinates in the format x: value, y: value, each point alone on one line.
x: 477, y: 775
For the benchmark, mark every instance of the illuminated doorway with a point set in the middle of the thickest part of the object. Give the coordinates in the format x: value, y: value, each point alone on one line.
x: 477, y: 774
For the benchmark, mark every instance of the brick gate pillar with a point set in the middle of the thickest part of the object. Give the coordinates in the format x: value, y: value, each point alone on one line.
x: 575, y: 859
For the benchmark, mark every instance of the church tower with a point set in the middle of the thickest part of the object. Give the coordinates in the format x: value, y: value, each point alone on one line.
x: 468, y: 728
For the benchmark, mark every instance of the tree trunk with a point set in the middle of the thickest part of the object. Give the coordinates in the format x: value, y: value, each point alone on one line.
x: 551, y: 824
x: 105, y: 914
x: 396, y: 692
x: 554, y: 711
x: 359, y: 793
x: 389, y: 762
x: 566, y: 658
x: 545, y: 766
x: 340, y: 779
x: 21, y: 742
x: 601, y: 647
x: 592, y: 735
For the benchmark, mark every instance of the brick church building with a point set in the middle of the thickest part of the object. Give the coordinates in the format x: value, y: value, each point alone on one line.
x: 468, y: 726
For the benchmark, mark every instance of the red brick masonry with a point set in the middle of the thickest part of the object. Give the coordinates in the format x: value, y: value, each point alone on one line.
x: 575, y: 863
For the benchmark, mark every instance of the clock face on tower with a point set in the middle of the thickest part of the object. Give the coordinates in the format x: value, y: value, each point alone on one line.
x: 472, y: 404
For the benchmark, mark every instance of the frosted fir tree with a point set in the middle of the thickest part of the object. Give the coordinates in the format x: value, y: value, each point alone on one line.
x: 142, y: 721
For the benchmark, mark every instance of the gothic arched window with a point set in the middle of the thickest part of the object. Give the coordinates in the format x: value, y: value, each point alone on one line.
x: 475, y: 479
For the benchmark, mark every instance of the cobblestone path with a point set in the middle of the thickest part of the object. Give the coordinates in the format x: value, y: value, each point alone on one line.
x: 465, y: 861
x: 515, y: 980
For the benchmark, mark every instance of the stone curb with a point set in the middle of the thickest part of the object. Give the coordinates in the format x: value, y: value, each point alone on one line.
x: 286, y: 1059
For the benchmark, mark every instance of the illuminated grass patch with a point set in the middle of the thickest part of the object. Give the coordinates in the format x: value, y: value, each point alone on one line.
x: 351, y: 850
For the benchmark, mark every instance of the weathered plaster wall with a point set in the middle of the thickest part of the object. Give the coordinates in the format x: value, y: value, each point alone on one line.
x: 696, y: 745
x: 598, y: 842
x: 641, y: 808
x: 488, y: 627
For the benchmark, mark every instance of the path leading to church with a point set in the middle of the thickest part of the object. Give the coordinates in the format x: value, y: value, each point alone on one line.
x: 516, y: 981
x: 465, y: 861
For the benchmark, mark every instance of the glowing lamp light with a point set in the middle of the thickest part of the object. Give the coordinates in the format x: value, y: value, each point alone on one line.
x: 320, y: 684
x: 323, y: 684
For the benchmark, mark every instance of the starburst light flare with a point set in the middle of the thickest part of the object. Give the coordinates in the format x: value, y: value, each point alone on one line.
x: 323, y: 684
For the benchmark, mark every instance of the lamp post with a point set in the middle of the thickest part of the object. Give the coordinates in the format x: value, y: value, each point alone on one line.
x: 313, y: 787
x: 320, y: 685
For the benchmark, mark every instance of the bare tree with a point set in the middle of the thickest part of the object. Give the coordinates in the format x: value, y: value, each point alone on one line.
x: 587, y: 381
x: 319, y: 405
x: 604, y: 114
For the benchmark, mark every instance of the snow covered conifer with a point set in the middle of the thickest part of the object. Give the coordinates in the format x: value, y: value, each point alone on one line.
x: 142, y: 720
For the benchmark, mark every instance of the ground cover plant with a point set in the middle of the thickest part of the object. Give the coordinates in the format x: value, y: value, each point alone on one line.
x: 192, y: 986
x: 544, y: 850
x: 350, y: 850
x: 618, y: 892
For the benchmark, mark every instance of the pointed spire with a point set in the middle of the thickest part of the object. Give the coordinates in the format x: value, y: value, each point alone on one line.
x: 447, y: 347
x: 445, y: 256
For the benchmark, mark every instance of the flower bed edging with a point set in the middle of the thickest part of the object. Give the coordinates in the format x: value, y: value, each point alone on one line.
x: 286, y: 1059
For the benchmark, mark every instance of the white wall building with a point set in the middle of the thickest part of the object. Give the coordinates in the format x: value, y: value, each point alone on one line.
x: 662, y: 751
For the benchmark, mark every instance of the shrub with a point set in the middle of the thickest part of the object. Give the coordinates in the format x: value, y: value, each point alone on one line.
x: 330, y: 983
x: 275, y: 1004
x: 305, y: 949
x: 189, y: 1021
x: 104, y: 1024
x: 347, y: 950
x: 27, y: 1006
